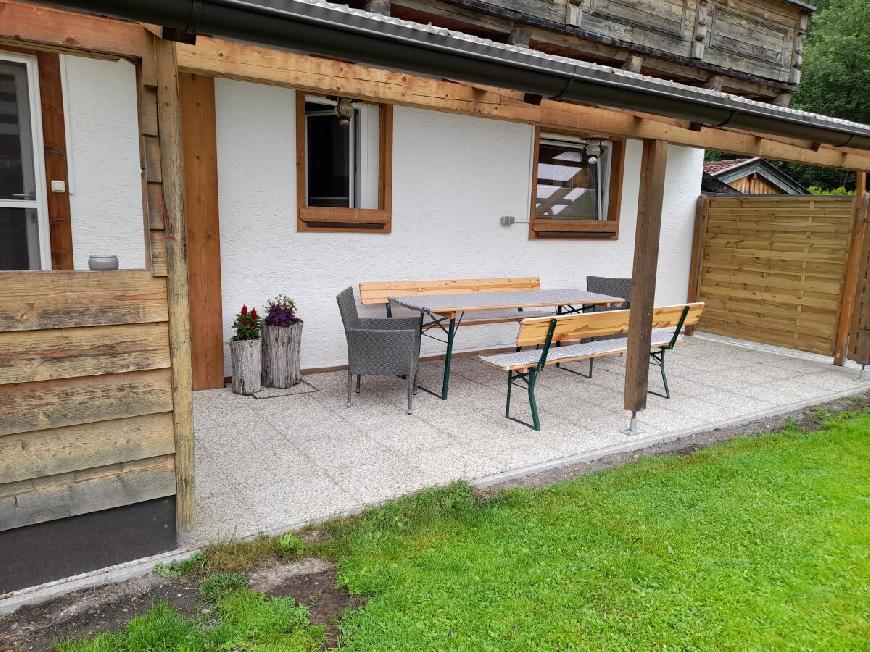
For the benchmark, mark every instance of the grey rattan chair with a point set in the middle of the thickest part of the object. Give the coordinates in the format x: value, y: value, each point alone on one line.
x: 379, y: 347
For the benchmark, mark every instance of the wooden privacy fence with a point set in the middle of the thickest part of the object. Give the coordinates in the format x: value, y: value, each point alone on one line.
x: 770, y: 269
x: 86, y: 419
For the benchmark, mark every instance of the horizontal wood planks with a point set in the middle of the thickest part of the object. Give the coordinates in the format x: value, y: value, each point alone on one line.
x: 772, y: 269
x: 378, y: 292
x: 38, y: 300
x: 85, y: 394
x: 70, y: 494
x: 534, y: 331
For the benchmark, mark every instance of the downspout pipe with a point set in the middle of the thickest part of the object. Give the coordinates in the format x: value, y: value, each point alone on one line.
x: 335, y: 32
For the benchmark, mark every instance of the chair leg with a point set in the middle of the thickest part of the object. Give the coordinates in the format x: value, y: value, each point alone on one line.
x: 591, y: 360
x: 533, y: 376
x: 410, y: 395
x: 358, y: 382
x: 349, y: 386
x: 507, y: 405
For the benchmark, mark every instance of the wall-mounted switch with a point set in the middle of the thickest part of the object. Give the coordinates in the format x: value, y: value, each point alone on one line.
x: 58, y: 186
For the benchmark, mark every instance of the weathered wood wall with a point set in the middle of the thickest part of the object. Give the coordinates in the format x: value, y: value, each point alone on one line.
x: 86, y: 402
x: 771, y: 269
x: 755, y: 184
x: 761, y: 38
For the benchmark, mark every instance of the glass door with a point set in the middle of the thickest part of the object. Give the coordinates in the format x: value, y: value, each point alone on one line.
x: 23, y: 236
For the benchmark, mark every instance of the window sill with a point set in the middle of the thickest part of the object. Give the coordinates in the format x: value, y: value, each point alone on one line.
x: 342, y: 220
x: 543, y: 228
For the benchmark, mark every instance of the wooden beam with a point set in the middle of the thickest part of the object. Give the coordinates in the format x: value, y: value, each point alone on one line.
x: 853, y: 263
x: 54, y: 146
x: 699, y: 236
x: 196, y: 94
x: 328, y: 77
x: 172, y: 175
x: 646, y: 256
x: 87, y: 35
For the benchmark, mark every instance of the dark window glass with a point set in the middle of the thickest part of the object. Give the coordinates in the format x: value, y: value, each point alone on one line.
x: 19, y: 244
x: 16, y: 145
x: 328, y: 157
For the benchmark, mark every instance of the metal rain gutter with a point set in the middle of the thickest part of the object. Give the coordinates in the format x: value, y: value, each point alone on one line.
x: 338, y: 32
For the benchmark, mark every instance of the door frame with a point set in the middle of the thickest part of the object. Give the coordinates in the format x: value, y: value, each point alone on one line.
x: 40, y: 203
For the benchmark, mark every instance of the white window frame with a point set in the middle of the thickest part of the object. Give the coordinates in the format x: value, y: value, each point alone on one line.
x: 40, y: 203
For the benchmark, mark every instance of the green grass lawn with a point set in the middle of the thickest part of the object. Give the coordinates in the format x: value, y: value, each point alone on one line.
x: 759, y: 543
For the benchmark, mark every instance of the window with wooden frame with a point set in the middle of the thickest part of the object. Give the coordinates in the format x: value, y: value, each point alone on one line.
x: 576, y: 187
x: 343, y: 165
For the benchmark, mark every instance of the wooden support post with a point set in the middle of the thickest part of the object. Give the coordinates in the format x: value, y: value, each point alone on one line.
x: 172, y: 168
x: 196, y: 94
x: 699, y: 237
x: 853, y: 260
x: 646, y: 255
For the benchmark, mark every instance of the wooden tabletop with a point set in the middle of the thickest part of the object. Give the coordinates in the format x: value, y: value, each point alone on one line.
x: 448, y: 304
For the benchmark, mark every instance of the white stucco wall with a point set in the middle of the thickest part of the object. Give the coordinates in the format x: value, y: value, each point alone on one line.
x: 453, y: 177
x: 104, y: 174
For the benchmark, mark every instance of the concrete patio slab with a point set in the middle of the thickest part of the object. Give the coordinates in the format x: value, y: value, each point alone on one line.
x: 277, y: 464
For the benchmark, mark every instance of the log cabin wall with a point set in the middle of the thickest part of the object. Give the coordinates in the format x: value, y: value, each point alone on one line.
x: 771, y: 270
x: 750, y: 47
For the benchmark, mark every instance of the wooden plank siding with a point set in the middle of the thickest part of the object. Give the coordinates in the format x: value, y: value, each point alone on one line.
x: 86, y: 405
x: 771, y: 269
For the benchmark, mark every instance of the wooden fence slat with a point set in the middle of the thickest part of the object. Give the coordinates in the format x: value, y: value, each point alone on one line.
x: 29, y: 455
x: 39, y: 300
x: 70, y: 494
x: 54, y: 403
x: 772, y: 269
x: 32, y: 356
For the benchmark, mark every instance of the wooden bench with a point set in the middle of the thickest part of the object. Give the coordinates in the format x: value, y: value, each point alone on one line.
x: 524, y: 366
x: 379, y: 292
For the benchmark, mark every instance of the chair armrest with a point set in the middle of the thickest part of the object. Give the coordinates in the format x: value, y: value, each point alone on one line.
x: 384, y: 339
x: 409, y: 323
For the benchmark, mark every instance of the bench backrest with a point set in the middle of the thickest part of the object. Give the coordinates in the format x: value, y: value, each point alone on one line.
x: 535, y: 330
x: 376, y: 292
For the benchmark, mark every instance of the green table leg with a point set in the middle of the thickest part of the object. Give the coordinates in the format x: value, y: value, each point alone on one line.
x: 451, y: 331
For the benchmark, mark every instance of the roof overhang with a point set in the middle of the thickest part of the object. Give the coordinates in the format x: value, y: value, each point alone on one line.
x: 339, y: 32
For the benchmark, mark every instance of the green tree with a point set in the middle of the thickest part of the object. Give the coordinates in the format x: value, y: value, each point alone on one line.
x: 836, y: 76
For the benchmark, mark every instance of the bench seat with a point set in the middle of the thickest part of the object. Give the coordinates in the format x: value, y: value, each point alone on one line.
x: 521, y: 360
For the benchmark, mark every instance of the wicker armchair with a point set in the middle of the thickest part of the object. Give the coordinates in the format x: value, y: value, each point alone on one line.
x: 379, y: 347
x: 614, y: 287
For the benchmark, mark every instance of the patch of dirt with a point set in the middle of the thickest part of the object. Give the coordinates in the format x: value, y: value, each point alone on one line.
x: 87, y: 612
x: 311, y: 582
x: 93, y: 611
x: 807, y: 418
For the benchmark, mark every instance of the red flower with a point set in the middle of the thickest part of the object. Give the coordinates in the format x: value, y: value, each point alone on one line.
x: 244, y: 310
x: 254, y: 313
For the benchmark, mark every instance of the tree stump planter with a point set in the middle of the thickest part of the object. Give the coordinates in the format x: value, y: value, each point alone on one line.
x: 246, y: 357
x: 281, y: 355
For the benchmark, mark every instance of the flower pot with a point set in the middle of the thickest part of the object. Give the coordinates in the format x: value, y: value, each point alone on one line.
x: 281, y: 355
x: 246, y: 358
